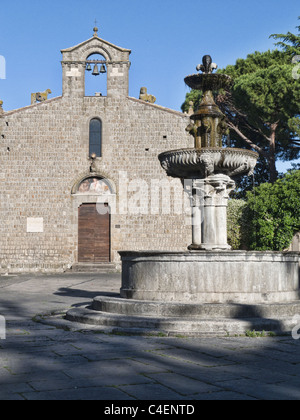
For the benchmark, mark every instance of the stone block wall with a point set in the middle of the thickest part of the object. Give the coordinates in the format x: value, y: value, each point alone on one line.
x: 44, y: 153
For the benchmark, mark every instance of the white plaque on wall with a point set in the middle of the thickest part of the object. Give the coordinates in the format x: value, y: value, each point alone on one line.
x: 35, y: 225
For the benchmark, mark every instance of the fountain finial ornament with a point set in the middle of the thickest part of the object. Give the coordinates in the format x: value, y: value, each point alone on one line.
x: 207, y: 65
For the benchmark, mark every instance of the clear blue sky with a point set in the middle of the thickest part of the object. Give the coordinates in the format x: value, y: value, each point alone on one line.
x: 167, y: 37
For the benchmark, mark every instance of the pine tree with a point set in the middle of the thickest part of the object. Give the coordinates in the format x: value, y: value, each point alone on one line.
x: 263, y: 106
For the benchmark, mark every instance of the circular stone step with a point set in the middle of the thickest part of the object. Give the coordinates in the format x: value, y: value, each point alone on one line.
x: 132, y: 307
x: 142, y: 317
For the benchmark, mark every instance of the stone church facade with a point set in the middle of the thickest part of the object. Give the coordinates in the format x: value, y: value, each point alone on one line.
x: 79, y: 175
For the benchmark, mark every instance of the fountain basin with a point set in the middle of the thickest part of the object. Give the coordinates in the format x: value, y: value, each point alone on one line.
x: 209, y: 81
x: 199, y: 294
x: 201, y: 163
x: 244, y: 277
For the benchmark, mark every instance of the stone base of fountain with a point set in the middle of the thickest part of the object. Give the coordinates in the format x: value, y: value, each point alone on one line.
x: 210, y: 276
x: 200, y: 294
x: 209, y: 320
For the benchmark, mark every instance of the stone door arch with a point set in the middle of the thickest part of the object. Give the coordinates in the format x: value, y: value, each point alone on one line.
x: 92, y: 196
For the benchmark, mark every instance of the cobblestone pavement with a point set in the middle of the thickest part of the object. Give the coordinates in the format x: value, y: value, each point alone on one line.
x: 42, y: 362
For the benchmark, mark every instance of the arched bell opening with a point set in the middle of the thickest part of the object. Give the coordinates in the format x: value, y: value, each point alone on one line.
x: 96, y: 75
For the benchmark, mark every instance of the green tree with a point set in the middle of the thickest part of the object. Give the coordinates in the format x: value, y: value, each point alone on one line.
x: 290, y: 43
x: 272, y: 213
x: 236, y: 224
x: 263, y: 106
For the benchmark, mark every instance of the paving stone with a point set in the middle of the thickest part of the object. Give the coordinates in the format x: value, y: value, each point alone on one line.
x: 202, y: 359
x: 14, y: 388
x: 93, y: 382
x: 151, y: 392
x: 86, y: 394
x: 11, y: 396
x: 182, y: 384
x: 223, y: 396
x: 39, y: 362
x: 263, y: 391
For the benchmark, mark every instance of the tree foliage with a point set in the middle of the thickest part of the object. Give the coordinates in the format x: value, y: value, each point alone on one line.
x: 236, y: 224
x: 272, y: 213
x: 290, y: 43
x: 262, y: 108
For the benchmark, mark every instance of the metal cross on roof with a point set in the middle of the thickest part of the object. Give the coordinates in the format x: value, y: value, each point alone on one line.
x: 95, y: 28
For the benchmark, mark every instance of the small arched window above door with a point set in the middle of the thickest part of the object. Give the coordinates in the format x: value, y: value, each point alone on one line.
x: 95, y: 137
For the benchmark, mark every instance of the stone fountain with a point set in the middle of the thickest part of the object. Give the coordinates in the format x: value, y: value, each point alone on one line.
x: 208, y: 289
x: 210, y: 166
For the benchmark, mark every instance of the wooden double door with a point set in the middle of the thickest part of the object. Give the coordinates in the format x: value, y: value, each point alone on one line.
x: 93, y: 233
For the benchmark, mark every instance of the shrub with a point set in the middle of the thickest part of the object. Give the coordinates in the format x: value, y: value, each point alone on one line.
x: 272, y: 213
x: 236, y: 225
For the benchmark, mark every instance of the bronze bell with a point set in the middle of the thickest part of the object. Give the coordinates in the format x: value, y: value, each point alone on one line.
x: 89, y: 67
x: 96, y: 71
x: 103, y: 70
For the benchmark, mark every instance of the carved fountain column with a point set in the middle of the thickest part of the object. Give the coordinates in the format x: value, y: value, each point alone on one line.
x: 196, y: 199
x: 209, y: 201
x: 216, y: 190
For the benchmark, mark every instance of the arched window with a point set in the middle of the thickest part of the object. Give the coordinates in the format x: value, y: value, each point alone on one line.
x: 95, y: 137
